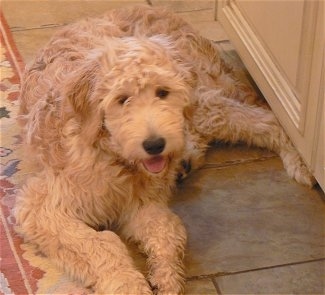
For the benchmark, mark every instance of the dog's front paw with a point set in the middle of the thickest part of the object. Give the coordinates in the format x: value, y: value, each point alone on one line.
x: 167, y: 280
x: 185, y: 168
x: 167, y: 290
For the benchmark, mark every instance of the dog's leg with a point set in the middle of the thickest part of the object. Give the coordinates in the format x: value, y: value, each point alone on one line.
x: 220, y: 118
x: 97, y: 259
x: 162, y: 237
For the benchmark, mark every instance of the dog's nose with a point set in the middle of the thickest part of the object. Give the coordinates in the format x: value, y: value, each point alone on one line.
x: 154, y: 145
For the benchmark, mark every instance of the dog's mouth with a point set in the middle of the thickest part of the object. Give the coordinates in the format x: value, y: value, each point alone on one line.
x: 155, y: 164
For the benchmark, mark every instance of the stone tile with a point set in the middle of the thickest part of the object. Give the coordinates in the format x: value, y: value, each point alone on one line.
x: 34, y: 14
x: 34, y: 22
x: 211, y: 30
x: 186, y: 5
x: 194, y: 17
x: 307, y: 278
x: 32, y: 30
x: 200, y: 14
x: 203, y: 286
x: 249, y: 216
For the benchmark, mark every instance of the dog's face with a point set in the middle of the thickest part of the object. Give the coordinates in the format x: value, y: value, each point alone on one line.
x: 146, y: 125
x: 141, y: 97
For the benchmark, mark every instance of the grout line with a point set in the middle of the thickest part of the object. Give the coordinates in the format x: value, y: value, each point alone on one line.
x: 193, y: 10
x: 222, y: 274
x: 215, y: 284
x: 149, y: 2
x: 221, y: 41
x: 46, y: 26
x: 237, y: 162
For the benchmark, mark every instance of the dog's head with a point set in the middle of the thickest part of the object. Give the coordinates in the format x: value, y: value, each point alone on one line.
x: 131, y: 98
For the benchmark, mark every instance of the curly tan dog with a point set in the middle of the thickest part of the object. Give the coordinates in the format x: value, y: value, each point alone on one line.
x: 111, y: 108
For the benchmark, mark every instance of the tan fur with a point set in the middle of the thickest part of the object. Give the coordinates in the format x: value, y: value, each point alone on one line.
x: 88, y: 102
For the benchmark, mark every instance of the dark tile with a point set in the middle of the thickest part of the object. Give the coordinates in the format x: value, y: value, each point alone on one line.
x: 249, y: 216
x: 308, y: 278
x: 203, y: 286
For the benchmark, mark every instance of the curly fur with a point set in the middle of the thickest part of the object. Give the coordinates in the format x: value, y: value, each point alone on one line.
x: 93, y: 95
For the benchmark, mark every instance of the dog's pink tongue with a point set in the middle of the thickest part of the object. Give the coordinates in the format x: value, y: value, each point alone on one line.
x: 155, y: 164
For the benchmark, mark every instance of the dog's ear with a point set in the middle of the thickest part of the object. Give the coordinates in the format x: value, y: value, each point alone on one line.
x: 80, y: 87
x: 80, y: 90
x: 188, y: 112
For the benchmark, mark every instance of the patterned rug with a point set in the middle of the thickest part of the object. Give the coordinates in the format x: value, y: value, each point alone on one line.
x: 22, y: 269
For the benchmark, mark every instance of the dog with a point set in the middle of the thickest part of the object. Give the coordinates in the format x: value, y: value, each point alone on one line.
x: 114, y: 109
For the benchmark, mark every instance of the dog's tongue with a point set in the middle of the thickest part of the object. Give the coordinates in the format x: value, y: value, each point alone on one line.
x: 155, y: 164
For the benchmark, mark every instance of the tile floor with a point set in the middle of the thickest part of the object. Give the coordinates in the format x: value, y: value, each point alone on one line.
x: 251, y: 229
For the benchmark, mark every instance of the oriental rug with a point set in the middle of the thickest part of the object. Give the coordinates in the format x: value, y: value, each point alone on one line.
x: 23, y: 270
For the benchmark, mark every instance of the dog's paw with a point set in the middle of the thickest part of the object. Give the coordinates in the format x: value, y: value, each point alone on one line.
x: 185, y: 168
x: 171, y: 290
x: 167, y: 281
x: 302, y: 175
x: 297, y: 169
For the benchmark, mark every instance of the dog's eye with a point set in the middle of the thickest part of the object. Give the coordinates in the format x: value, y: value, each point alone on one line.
x: 122, y: 99
x: 162, y: 93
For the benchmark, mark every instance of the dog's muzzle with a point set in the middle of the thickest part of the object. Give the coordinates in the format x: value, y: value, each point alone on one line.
x: 154, y: 146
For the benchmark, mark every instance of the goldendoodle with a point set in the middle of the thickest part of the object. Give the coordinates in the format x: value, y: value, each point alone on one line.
x: 114, y: 109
